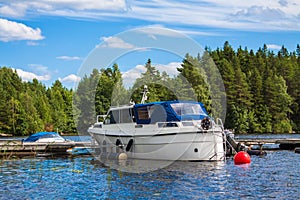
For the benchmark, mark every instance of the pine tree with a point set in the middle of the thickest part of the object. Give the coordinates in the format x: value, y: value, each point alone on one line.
x: 58, y: 106
x: 29, y: 121
x: 278, y: 101
x: 195, y: 75
x: 152, y: 79
x: 40, y: 100
x: 85, y: 99
x: 215, y: 85
x: 120, y: 95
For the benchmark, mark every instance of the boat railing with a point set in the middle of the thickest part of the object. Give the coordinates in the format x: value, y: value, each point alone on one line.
x: 220, y: 123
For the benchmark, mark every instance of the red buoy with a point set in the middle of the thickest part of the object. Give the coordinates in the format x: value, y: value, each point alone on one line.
x: 241, y: 157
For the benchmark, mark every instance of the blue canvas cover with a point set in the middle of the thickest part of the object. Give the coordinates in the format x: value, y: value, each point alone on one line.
x: 36, y: 136
x: 163, y: 112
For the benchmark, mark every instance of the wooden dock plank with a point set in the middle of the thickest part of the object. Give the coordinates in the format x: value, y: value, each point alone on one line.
x: 285, y: 144
x: 288, y: 141
x: 288, y: 144
x: 9, y: 148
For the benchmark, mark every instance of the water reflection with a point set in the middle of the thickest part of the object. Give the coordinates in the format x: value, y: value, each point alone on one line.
x: 176, y: 180
x: 135, y: 165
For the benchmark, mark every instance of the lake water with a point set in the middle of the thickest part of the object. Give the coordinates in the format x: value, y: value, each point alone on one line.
x: 276, y: 175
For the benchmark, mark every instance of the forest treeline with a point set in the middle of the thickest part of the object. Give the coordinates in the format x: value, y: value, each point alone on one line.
x: 261, y: 92
x: 27, y: 107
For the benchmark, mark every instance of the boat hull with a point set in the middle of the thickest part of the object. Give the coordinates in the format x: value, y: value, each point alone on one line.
x: 147, y: 142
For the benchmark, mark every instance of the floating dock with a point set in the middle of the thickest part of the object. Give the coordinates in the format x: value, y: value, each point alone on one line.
x: 284, y: 144
x: 18, y: 149
x: 256, y: 146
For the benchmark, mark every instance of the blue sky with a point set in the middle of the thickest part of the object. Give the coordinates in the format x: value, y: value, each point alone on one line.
x: 53, y: 39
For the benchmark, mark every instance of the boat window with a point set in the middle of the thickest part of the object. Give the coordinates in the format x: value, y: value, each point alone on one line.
x: 111, y: 117
x: 119, y: 116
x: 187, y: 123
x: 157, y: 114
x: 151, y: 114
x: 187, y: 109
x: 167, y: 124
x: 143, y: 113
x: 49, y: 136
x: 125, y: 116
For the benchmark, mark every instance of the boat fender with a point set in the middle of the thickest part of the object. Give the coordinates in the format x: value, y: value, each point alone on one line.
x: 122, y: 156
x: 105, y: 156
x: 205, y: 123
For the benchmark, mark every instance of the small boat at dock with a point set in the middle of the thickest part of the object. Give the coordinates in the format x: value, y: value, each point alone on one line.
x: 43, y: 144
x: 45, y: 137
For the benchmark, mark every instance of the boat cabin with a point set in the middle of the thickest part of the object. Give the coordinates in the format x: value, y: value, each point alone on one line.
x: 151, y: 113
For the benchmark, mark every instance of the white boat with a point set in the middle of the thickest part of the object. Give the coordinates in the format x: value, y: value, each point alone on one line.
x: 168, y: 130
x: 45, y: 137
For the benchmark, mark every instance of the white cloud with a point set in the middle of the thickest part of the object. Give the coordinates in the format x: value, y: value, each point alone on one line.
x: 260, y: 14
x: 274, y: 46
x: 11, y: 31
x: 82, y: 4
x: 131, y: 75
x: 76, y: 8
x: 233, y: 14
x: 115, y: 43
x: 155, y: 30
x: 170, y: 68
x: 68, y: 58
x: 70, y: 78
x: 13, y: 10
x: 29, y: 76
x: 201, y: 33
x: 39, y: 69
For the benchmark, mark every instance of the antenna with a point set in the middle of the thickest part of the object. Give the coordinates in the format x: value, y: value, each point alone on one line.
x: 145, y: 92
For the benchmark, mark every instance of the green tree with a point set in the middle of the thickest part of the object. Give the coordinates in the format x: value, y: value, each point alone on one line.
x: 195, y: 75
x: 29, y: 120
x: 120, y: 95
x: 40, y: 100
x: 152, y: 79
x: 84, y: 101
x: 10, y: 89
x: 278, y: 101
x: 59, y: 104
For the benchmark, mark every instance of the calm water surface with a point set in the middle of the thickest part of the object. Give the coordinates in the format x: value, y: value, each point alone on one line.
x: 276, y: 175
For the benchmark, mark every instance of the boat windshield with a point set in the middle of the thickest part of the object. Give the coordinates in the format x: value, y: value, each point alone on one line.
x: 187, y: 109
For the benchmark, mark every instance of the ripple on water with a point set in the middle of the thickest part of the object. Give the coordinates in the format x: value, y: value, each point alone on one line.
x: 275, y: 175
